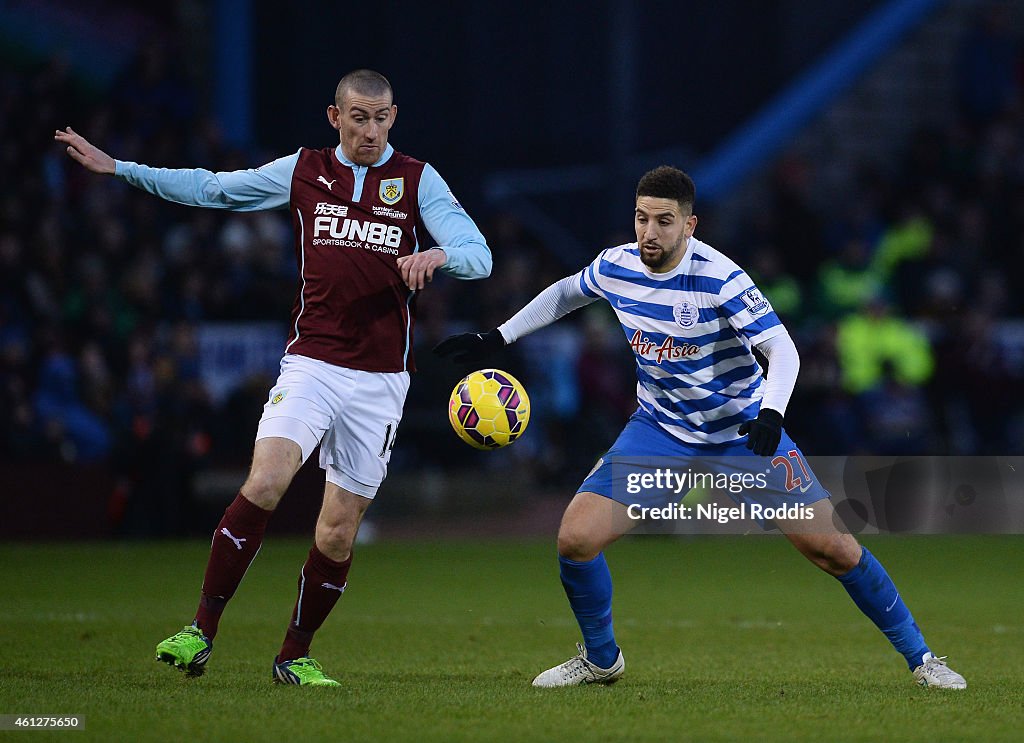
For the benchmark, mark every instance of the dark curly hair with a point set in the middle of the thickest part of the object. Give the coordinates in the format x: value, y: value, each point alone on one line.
x: 666, y: 182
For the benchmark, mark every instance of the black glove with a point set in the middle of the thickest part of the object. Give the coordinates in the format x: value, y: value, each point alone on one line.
x: 460, y: 347
x: 764, y: 433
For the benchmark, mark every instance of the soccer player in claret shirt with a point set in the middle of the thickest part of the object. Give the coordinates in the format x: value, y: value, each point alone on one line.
x: 692, y: 317
x: 359, y: 211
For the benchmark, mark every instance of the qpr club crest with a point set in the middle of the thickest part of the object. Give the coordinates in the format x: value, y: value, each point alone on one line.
x: 686, y: 314
x: 391, y: 190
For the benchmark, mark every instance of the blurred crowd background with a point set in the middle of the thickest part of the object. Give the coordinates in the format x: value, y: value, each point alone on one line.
x: 902, y: 293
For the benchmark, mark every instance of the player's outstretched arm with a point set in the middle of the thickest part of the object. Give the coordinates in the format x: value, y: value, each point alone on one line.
x: 556, y: 301
x: 464, y: 346
x: 81, y: 150
x: 267, y: 187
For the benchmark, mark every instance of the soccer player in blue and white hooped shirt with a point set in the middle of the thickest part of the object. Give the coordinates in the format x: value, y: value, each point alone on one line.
x: 693, y: 318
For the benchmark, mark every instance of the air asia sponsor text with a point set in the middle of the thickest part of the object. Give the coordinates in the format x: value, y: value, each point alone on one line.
x: 668, y: 350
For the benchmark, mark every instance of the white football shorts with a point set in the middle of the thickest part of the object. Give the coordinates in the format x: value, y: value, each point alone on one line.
x: 353, y: 414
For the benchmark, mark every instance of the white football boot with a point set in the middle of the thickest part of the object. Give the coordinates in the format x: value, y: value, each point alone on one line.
x: 933, y: 673
x: 579, y: 671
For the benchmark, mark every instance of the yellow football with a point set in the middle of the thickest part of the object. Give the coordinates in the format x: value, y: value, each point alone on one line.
x: 489, y: 409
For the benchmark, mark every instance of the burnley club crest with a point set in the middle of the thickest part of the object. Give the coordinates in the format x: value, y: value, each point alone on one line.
x: 391, y: 190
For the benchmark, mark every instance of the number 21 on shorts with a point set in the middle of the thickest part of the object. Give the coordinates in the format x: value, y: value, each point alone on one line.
x: 794, y: 481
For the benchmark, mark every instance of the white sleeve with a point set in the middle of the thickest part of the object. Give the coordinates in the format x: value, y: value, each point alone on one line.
x: 784, y: 365
x: 556, y: 301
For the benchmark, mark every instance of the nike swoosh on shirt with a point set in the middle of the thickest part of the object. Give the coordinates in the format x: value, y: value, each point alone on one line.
x: 623, y: 305
x: 893, y: 602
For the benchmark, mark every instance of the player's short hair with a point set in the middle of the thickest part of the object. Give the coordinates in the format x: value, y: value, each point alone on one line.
x: 364, y: 82
x: 666, y: 182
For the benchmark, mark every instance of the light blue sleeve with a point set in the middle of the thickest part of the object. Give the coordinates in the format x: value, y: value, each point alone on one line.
x: 266, y: 187
x: 455, y: 231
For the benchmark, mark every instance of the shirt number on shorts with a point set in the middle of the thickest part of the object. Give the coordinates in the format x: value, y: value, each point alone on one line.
x: 390, y: 434
x: 794, y: 481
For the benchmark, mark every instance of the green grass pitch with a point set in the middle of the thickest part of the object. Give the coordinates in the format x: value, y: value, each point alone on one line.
x: 725, y: 639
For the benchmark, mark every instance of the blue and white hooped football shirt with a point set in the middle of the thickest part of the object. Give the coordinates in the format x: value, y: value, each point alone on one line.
x: 691, y: 330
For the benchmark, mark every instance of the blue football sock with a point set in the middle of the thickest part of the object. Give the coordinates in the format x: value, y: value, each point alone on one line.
x: 874, y: 593
x: 588, y: 585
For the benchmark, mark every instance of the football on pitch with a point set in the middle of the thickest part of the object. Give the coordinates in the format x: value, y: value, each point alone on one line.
x: 489, y: 409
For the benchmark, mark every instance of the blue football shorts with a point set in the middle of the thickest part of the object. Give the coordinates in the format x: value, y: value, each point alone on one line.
x: 784, y: 479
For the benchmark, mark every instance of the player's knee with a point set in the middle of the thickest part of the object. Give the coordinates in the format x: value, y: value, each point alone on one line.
x: 335, y: 539
x: 265, y: 488
x: 836, y: 558
x: 846, y: 557
x: 575, y: 545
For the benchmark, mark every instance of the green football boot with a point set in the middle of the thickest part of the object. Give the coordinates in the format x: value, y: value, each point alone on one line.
x: 187, y: 651
x: 302, y: 672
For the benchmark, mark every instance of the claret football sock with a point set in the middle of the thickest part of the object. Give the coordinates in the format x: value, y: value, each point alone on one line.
x: 321, y: 583
x: 235, y: 543
x: 874, y: 593
x: 588, y: 586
